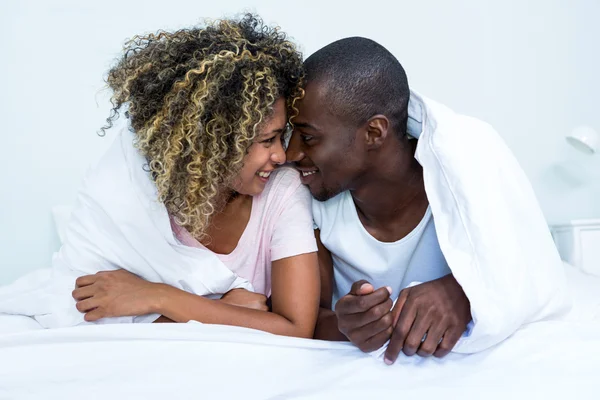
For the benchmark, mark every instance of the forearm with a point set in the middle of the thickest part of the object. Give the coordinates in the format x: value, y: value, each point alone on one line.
x: 181, y: 306
x: 327, y: 326
x: 163, y: 320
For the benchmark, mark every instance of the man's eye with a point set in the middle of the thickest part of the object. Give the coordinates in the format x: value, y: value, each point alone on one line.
x: 306, y: 138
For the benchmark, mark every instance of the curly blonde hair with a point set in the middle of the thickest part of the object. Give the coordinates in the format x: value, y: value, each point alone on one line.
x: 196, y: 99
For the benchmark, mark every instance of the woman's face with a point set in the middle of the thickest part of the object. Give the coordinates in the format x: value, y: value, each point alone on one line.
x: 265, y: 154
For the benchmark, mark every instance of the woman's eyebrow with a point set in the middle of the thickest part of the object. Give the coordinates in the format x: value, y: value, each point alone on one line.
x: 279, y: 130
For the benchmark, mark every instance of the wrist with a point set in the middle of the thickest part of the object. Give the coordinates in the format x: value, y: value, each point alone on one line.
x: 158, y: 298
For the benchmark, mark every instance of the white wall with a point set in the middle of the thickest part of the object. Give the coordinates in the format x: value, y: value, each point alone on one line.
x: 528, y: 67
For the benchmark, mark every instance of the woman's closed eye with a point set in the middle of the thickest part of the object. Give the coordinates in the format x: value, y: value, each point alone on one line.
x: 270, y: 140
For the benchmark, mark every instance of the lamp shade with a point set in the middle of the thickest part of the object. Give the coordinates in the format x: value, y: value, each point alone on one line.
x: 584, y: 139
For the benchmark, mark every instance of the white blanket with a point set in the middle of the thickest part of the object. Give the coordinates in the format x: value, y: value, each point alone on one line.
x: 116, y: 223
x: 489, y: 225
x: 545, y: 360
x: 550, y: 360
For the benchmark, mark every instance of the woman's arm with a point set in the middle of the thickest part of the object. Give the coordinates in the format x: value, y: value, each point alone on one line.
x: 327, y: 323
x: 295, y: 294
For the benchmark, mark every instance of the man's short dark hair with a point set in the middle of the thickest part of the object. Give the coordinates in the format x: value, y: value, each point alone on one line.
x: 361, y: 79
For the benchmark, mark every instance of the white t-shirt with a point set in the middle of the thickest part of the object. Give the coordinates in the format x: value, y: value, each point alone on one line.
x: 358, y: 255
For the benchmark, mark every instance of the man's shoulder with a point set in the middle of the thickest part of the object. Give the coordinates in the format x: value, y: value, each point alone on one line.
x: 325, y: 213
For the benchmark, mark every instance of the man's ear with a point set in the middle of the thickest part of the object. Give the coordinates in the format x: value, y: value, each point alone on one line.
x: 376, y: 131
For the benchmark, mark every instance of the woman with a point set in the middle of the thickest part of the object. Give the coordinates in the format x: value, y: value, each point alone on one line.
x: 209, y: 111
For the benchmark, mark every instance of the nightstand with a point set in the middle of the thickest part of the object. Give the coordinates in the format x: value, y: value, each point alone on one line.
x: 578, y: 243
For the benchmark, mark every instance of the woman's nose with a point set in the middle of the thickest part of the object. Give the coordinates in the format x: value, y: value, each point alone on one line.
x: 293, y: 151
x: 278, y: 155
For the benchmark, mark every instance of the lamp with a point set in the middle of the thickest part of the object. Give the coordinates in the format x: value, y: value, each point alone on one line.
x: 584, y: 139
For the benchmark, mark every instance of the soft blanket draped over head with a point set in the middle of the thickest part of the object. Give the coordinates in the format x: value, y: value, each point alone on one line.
x: 489, y: 224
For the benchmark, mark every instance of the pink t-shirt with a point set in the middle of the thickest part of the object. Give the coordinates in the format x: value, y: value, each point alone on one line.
x: 280, y: 226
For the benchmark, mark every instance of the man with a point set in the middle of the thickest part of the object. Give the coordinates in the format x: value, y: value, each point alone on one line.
x: 378, y: 239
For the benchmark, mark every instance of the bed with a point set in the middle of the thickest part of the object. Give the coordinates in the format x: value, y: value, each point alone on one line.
x: 550, y: 359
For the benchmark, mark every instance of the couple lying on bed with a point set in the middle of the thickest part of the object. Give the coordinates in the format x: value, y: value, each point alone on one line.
x: 238, y: 133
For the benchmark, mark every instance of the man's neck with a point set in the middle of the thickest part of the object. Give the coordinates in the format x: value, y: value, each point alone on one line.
x: 392, y: 194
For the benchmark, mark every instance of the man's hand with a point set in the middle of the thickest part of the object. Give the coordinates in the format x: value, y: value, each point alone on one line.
x: 437, y: 308
x: 245, y: 298
x: 364, y: 315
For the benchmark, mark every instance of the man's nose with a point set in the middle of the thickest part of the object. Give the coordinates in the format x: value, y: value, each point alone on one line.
x: 294, y: 152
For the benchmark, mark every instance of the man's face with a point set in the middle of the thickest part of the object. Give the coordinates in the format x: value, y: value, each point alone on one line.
x: 324, y: 149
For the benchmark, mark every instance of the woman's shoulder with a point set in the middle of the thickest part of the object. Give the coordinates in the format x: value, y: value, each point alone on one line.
x: 285, y: 183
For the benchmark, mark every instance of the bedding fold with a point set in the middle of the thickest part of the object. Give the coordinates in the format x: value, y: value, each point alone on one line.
x: 117, y: 222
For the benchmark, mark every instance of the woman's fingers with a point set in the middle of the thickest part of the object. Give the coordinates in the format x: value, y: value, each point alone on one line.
x: 84, y: 292
x: 86, y: 305
x: 94, y: 315
x: 85, y: 280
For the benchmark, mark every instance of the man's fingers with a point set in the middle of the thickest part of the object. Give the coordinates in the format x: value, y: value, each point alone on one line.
x: 434, y: 337
x: 401, y: 331
x: 415, y: 336
x: 85, y: 280
x: 399, y: 305
x: 358, y: 320
x: 450, y: 339
x: 361, y: 333
x: 84, y: 292
x: 361, y: 287
x: 375, y: 342
x: 351, y: 304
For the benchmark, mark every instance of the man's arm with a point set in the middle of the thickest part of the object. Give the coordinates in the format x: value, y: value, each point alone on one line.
x: 362, y: 317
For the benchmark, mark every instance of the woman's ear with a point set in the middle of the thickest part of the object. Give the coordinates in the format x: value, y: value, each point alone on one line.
x: 376, y: 131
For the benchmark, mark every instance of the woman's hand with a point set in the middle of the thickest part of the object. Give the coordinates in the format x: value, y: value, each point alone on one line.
x: 245, y: 298
x: 114, y: 294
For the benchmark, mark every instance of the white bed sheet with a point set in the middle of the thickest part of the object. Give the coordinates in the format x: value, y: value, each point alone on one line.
x: 551, y: 360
